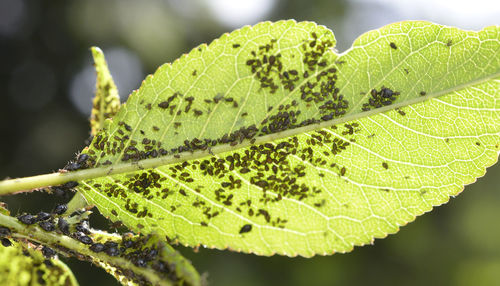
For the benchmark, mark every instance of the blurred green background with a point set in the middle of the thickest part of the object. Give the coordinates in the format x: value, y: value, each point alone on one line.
x: 47, y: 81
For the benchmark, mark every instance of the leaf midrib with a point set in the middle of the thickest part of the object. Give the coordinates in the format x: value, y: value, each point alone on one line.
x: 185, y: 156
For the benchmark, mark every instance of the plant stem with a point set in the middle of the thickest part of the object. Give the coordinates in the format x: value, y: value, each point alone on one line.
x: 72, y: 247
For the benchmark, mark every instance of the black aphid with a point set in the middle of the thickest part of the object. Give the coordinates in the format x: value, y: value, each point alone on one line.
x: 48, y: 252
x: 386, y: 93
x: 151, y: 254
x: 83, y: 227
x: 127, y: 243
x: 160, y: 267
x: 47, y: 225
x: 6, y: 242
x: 41, y: 216
x: 342, y: 171
x: 112, y: 251
x: 70, y: 185
x: 140, y: 262
x: 246, y: 228
x: 27, y: 219
x: 109, y: 244
x: 97, y: 247
x: 81, y: 237
x: 111, y: 248
x: 63, y: 226
x: 4, y: 231
x: 72, y: 166
x: 60, y: 209
x: 393, y: 45
x: 82, y: 159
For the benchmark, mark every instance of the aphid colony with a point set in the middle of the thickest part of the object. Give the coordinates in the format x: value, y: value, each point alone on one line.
x: 79, y: 163
x: 53, y: 221
x: 138, y: 249
x: 380, y: 98
x: 317, y: 85
x: 65, y: 189
x: 142, y: 251
x: 265, y: 166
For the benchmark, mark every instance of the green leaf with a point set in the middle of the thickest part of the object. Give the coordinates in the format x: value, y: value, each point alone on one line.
x: 20, y: 265
x: 267, y: 141
x: 106, y: 102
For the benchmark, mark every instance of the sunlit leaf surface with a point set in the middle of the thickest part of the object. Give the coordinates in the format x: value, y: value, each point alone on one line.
x: 267, y: 141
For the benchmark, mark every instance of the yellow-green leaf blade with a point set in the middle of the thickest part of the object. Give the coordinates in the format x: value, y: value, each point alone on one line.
x: 304, y: 188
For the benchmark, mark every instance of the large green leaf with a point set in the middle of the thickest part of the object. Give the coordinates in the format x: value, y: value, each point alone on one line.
x: 267, y: 141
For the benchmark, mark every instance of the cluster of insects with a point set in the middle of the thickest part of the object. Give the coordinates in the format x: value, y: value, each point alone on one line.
x: 141, y: 250
x: 380, y: 98
x: 79, y: 163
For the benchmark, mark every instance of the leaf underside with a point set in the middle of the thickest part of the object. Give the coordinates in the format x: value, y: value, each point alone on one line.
x: 303, y: 151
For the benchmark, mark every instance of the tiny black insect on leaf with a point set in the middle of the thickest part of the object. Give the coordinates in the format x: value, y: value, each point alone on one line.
x: 6, y: 242
x: 27, y: 219
x: 127, y: 243
x: 4, y: 231
x: 151, y: 254
x: 63, y: 226
x: 70, y: 185
x: 41, y: 216
x: 393, y: 45
x: 112, y: 251
x: 97, y: 247
x: 48, y: 252
x: 80, y: 236
x: 140, y: 262
x: 60, y: 209
x: 72, y: 166
x: 47, y: 225
x: 82, y: 158
x: 246, y: 228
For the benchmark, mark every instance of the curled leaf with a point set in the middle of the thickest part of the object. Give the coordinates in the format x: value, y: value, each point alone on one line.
x: 106, y: 102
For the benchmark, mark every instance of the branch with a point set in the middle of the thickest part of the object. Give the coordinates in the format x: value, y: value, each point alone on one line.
x: 144, y: 260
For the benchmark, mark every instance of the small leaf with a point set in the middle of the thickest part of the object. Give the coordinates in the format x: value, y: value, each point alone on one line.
x: 267, y: 141
x: 106, y: 102
x: 21, y: 267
